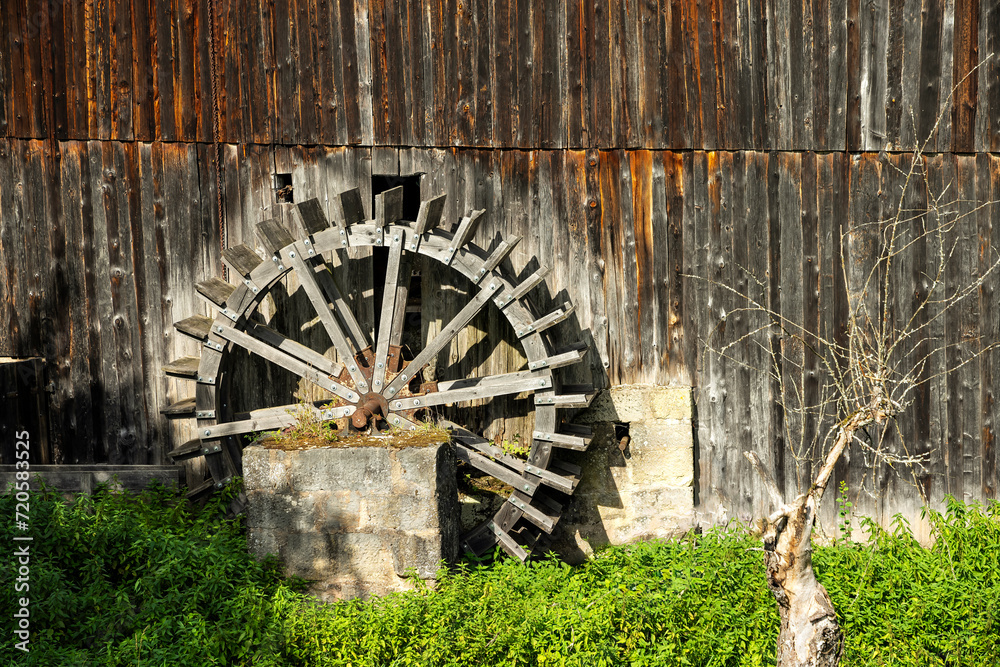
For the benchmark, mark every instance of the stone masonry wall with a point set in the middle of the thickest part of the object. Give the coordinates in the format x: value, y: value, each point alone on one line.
x: 645, y: 491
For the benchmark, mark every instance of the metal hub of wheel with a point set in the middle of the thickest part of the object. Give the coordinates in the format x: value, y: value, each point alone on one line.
x: 373, y: 385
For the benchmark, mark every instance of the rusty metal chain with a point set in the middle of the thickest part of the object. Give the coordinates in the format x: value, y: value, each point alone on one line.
x: 216, y: 131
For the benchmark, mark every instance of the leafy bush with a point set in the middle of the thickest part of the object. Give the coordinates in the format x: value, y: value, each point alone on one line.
x: 143, y: 580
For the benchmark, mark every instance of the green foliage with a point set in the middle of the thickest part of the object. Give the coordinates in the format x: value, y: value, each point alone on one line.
x: 844, y: 513
x: 143, y: 580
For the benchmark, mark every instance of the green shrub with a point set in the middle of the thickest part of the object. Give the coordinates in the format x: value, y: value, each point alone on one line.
x: 143, y: 580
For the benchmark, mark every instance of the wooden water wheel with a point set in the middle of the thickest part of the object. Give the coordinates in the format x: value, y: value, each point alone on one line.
x: 373, y: 385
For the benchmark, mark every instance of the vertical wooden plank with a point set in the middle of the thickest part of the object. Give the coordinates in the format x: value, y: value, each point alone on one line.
x: 812, y: 369
x: 149, y: 254
x: 641, y: 178
x: 603, y: 127
x: 896, y: 61
x: 309, y: 73
x: 675, y: 91
x: 163, y: 82
x: 661, y: 277
x: 505, y: 46
x: 364, y: 72
x: 862, y: 251
x: 945, y: 96
x: 408, y: 65
x: 988, y: 115
x: 125, y: 355
x: 937, y: 482
x: 628, y: 33
x: 56, y: 65
x: 204, y: 95
x: 800, y: 111
x: 324, y: 21
x: 527, y: 128
x: 121, y: 51
x: 853, y: 78
x: 466, y: 71
x: 286, y: 89
x: 383, y: 92
x: 963, y: 337
x: 486, y: 56
x: 966, y: 82
x: 839, y: 58
x: 780, y: 102
x: 6, y: 82
x: 694, y: 109
x: 790, y: 236
x: 14, y: 254
x: 988, y: 189
x: 874, y: 34
x: 779, y: 441
x: 549, y: 94
x: 820, y: 63
x: 99, y: 87
x: 673, y: 173
x: 50, y: 237
x: 930, y: 72
x: 594, y: 220
x: 715, y: 463
x: 34, y: 28
x: 107, y: 390
x: 256, y: 76
x: 910, y: 74
x: 730, y: 74
x: 76, y: 421
x: 143, y: 70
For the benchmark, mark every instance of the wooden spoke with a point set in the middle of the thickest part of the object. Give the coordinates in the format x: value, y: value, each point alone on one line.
x: 563, y: 483
x: 397, y: 285
x: 315, y: 293
x: 507, y: 542
x: 529, y: 284
x: 285, y: 360
x: 297, y: 350
x: 270, y: 419
x: 443, y: 338
x: 491, y: 467
x: 334, y: 296
x: 476, y: 388
x: 398, y: 420
x: 392, y: 279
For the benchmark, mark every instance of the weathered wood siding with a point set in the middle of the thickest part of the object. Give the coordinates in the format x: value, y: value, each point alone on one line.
x: 631, y: 143
x: 121, y: 232
x: 682, y: 74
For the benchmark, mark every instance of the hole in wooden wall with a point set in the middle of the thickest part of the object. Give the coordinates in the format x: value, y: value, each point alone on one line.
x: 283, y: 188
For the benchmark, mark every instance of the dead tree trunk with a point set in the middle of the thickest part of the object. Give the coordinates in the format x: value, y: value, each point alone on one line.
x: 810, y: 635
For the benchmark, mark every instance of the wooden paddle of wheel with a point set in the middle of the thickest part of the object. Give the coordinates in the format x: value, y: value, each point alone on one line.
x: 375, y: 385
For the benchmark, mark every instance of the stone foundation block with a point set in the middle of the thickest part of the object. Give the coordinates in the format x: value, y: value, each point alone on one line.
x: 353, y: 521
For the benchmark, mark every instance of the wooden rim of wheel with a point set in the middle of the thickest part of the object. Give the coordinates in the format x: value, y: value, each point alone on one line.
x: 373, y: 381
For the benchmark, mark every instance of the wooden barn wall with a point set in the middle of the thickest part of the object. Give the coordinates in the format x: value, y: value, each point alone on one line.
x: 657, y: 74
x: 101, y: 243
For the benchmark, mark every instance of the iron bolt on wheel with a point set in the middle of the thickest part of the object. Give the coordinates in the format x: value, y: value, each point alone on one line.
x: 373, y: 385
